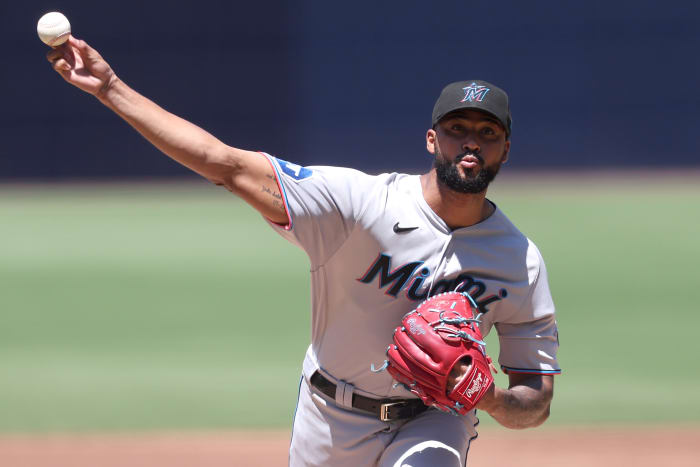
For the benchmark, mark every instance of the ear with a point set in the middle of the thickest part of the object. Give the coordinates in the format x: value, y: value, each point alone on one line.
x: 431, y: 141
x: 506, y: 150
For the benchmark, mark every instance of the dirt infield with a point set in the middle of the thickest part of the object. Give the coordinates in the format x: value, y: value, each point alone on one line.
x: 550, y: 447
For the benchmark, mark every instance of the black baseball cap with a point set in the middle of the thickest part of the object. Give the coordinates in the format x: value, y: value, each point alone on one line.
x: 474, y: 94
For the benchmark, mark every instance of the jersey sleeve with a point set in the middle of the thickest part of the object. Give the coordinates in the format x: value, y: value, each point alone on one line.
x: 529, y: 339
x: 322, y: 205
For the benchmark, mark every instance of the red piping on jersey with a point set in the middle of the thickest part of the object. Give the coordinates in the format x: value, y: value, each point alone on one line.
x: 288, y: 226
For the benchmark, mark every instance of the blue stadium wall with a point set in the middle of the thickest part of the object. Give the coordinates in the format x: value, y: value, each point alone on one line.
x: 592, y: 84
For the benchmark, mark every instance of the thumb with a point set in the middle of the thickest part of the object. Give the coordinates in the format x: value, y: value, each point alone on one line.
x: 78, y: 43
x: 84, y: 49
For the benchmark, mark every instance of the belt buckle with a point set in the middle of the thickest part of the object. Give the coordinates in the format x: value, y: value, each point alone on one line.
x: 384, y: 410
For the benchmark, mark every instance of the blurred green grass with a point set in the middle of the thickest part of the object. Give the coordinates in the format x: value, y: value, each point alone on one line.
x: 137, y: 307
x: 622, y: 257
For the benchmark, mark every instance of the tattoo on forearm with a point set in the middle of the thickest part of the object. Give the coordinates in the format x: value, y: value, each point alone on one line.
x: 522, y: 406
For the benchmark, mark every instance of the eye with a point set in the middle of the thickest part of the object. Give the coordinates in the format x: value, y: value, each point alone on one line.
x: 488, y: 131
x: 456, y: 127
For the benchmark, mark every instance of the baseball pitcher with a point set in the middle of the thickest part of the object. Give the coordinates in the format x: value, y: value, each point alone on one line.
x: 408, y: 273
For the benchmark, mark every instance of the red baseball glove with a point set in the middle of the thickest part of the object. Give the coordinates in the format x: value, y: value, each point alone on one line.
x: 431, y: 340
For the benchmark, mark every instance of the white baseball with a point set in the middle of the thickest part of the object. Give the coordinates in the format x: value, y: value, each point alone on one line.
x: 53, y: 28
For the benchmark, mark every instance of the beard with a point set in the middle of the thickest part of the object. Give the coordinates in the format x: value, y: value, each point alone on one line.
x: 449, y: 175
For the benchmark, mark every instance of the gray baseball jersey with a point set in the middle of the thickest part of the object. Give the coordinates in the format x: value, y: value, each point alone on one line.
x: 377, y: 250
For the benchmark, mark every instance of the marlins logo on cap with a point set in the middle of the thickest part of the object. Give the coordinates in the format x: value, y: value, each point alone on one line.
x: 474, y: 94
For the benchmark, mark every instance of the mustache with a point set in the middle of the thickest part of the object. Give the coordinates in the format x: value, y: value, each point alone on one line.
x: 476, y: 154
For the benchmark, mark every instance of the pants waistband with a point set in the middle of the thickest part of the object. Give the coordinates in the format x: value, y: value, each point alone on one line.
x: 386, y: 410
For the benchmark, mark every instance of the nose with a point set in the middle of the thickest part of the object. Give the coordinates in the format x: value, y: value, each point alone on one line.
x: 470, y: 145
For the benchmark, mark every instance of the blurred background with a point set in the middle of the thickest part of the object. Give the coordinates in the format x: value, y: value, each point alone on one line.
x: 127, y: 283
x: 593, y: 84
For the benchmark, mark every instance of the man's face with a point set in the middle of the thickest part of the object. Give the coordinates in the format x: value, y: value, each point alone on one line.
x: 469, y: 148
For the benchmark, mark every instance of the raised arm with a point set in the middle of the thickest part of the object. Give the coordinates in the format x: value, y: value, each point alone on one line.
x: 245, y: 173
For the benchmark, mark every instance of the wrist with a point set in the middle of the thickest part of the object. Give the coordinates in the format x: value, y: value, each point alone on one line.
x: 489, y: 401
x: 109, y: 89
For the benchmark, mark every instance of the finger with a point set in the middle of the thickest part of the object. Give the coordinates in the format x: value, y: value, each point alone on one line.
x: 60, y: 61
x: 73, y: 41
x: 64, y: 50
x: 84, y: 49
x: 63, y: 45
x: 54, y: 54
x: 61, y: 65
x: 81, y: 45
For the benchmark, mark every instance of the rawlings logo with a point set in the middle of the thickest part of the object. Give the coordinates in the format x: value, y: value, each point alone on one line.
x: 474, y: 92
x: 415, y: 327
x: 475, y: 387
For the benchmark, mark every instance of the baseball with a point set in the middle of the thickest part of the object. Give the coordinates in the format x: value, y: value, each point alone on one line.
x: 53, y: 28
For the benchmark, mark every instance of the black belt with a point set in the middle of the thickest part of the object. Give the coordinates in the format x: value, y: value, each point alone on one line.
x: 386, y: 410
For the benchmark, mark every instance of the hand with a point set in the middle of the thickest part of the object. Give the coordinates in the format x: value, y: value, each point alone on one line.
x: 82, y: 66
x: 456, y: 374
x: 487, y: 401
x: 459, y: 371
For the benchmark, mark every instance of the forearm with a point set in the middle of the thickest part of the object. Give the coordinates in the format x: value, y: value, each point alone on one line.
x: 524, y: 404
x: 516, y: 408
x: 181, y: 140
x: 245, y: 173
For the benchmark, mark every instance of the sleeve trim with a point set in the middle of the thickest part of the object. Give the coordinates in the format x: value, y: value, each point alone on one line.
x: 529, y: 371
x: 278, y: 179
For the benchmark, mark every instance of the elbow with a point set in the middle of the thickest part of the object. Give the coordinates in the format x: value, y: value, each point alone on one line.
x: 539, y: 412
x: 223, y: 167
x: 546, y: 407
x: 544, y: 415
x: 529, y: 403
x: 545, y: 404
x: 532, y: 421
